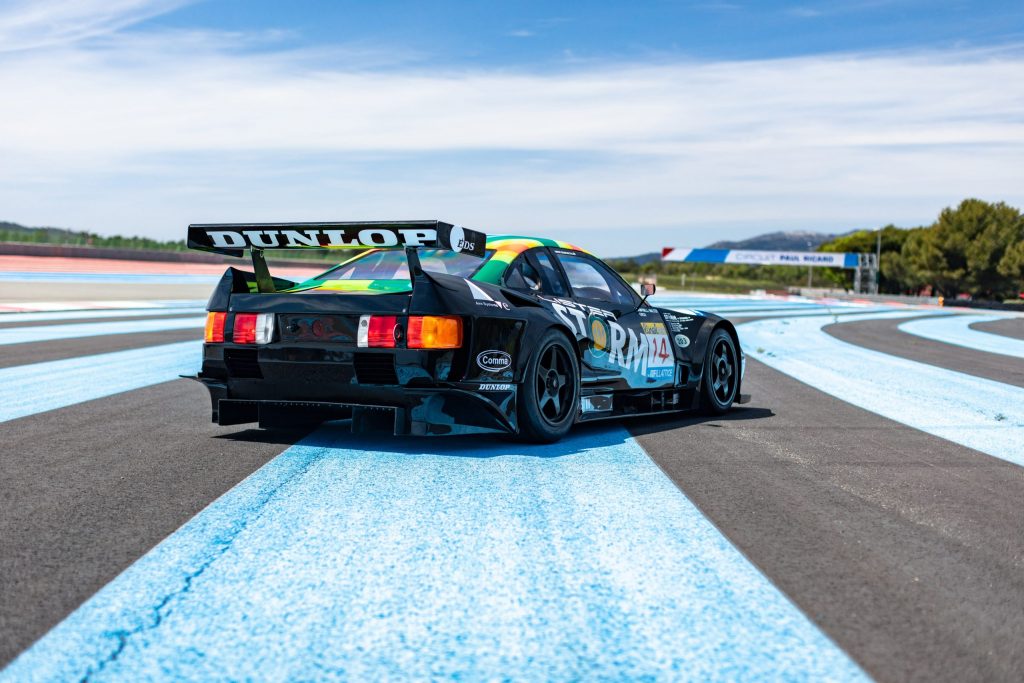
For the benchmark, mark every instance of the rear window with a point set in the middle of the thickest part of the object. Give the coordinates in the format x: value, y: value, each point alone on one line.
x: 392, y: 265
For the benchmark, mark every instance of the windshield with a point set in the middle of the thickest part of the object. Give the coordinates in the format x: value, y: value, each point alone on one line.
x: 392, y: 265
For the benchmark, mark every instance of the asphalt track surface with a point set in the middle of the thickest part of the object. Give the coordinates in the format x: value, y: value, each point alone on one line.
x: 833, y: 528
x: 1008, y: 327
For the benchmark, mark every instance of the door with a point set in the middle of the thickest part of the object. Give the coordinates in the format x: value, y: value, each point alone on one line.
x: 622, y: 337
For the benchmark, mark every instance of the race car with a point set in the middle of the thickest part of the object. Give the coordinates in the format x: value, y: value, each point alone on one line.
x: 433, y: 329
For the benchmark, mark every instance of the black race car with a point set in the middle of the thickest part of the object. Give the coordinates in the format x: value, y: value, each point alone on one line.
x: 437, y: 329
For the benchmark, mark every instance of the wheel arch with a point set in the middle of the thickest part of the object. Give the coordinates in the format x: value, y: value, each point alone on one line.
x: 536, y: 327
x: 570, y: 335
x: 708, y: 328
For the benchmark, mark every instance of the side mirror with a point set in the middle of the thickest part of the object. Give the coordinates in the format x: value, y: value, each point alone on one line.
x: 647, y: 289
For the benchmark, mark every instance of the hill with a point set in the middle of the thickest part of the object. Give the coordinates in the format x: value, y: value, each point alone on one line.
x: 14, y: 232
x: 771, y: 241
x: 778, y: 241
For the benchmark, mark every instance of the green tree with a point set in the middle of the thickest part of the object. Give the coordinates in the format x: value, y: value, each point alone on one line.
x: 893, y: 276
x: 971, y: 248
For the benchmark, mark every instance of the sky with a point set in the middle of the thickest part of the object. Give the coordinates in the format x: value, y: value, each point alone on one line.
x: 622, y: 127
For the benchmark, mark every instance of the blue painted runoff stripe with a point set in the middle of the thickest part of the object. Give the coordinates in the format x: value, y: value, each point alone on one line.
x: 22, y: 335
x: 772, y: 312
x: 974, y: 412
x: 98, y: 314
x: 30, y: 389
x: 347, y: 558
x: 724, y: 301
x: 954, y: 330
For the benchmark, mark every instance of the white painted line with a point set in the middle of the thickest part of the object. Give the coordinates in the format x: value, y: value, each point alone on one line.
x: 978, y: 413
x: 30, y: 389
x: 97, y: 314
x: 954, y: 330
x: 10, y: 310
x: 44, y: 333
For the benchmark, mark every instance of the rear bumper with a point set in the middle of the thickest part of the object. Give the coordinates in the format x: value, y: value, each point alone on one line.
x: 442, y: 410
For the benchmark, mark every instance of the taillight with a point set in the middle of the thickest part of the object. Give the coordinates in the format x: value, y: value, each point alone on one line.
x: 215, y: 326
x: 434, y: 332
x: 377, y: 331
x: 253, y: 328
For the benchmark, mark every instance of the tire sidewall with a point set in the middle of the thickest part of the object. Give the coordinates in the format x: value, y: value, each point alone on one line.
x: 532, y: 425
x: 711, y: 401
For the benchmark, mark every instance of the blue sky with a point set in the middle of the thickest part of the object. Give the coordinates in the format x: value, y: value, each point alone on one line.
x: 621, y: 126
x: 551, y: 34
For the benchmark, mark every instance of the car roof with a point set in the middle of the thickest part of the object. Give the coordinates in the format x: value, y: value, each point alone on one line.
x: 507, y: 247
x: 504, y: 248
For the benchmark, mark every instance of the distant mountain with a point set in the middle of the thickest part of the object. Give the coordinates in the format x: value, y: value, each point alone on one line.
x: 778, y: 241
x: 770, y: 241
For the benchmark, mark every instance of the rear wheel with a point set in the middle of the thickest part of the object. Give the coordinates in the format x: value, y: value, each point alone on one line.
x: 721, y: 373
x: 549, y: 399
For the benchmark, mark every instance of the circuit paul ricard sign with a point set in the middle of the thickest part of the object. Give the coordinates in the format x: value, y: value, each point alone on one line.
x: 760, y: 258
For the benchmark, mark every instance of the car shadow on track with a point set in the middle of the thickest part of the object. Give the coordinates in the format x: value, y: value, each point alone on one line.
x: 283, y: 436
x: 338, y: 435
x: 662, y: 423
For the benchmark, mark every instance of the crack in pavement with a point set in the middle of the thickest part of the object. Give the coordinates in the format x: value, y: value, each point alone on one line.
x: 222, y: 546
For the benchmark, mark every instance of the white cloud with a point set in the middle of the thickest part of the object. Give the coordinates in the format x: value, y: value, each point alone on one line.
x: 27, y: 24
x: 805, y: 12
x: 151, y: 132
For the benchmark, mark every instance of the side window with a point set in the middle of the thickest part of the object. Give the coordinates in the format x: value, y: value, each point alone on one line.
x: 553, y: 283
x: 590, y: 279
x: 523, y: 276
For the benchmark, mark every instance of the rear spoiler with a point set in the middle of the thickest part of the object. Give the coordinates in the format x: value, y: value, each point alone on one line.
x: 232, y: 239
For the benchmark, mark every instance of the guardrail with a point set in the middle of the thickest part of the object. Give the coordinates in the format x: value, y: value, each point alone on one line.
x: 977, y: 303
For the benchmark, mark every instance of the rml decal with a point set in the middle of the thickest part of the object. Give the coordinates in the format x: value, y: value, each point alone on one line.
x: 648, y: 354
x: 369, y: 237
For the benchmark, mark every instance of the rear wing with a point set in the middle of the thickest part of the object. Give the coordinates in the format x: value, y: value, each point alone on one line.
x: 232, y: 239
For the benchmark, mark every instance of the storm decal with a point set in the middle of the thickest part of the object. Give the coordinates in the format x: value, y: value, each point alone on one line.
x: 646, y: 352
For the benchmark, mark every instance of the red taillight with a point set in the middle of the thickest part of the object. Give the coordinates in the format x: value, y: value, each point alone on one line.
x: 253, y: 328
x: 435, y: 332
x: 377, y: 331
x: 215, y: 326
x: 245, y: 328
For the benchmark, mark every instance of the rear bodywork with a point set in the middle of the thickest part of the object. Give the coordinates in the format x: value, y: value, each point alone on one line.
x: 317, y: 366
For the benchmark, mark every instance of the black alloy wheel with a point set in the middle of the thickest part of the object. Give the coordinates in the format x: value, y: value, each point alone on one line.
x: 549, y: 399
x: 721, y: 373
x: 553, y: 390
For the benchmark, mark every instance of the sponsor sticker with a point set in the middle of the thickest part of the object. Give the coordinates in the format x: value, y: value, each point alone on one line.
x: 488, y: 386
x: 600, y: 332
x: 677, y: 323
x: 482, y: 298
x: 321, y: 237
x: 493, y: 361
x: 458, y: 239
x: 682, y: 341
x: 501, y: 305
x: 660, y: 359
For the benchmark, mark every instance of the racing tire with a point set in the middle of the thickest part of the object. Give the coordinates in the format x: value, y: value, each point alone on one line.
x: 550, y: 395
x: 721, y: 379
